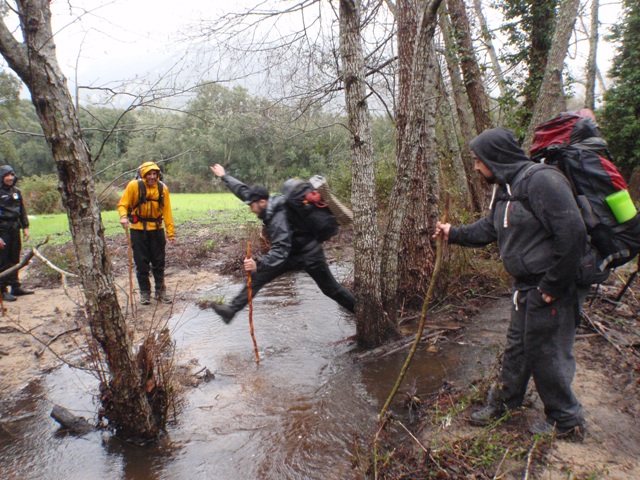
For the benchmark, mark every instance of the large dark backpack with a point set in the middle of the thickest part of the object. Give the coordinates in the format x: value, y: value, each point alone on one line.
x: 572, y: 142
x: 307, y: 212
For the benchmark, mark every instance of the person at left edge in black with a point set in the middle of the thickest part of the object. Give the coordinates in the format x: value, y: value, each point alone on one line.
x: 13, y: 218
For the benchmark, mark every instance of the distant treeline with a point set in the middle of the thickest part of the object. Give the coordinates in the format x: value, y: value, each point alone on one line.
x: 256, y: 140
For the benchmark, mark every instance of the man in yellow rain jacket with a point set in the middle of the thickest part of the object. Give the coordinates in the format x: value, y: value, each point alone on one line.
x: 144, y: 207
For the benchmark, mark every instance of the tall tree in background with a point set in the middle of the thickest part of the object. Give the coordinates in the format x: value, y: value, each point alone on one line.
x: 529, y: 25
x: 34, y: 60
x: 487, y: 40
x: 592, y: 66
x: 373, y: 326
x: 551, y: 99
x: 620, y: 116
x: 477, y: 191
x: 468, y: 62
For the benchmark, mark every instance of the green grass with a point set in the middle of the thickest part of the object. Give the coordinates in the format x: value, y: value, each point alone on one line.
x: 220, y: 210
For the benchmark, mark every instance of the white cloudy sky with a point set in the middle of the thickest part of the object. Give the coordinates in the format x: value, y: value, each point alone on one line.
x: 121, y: 39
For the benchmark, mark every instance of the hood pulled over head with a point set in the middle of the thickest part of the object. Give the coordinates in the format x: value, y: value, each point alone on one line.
x: 498, y: 149
x: 6, y: 170
x: 147, y: 167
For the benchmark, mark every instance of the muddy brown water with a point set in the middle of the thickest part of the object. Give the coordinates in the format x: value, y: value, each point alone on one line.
x: 296, y: 415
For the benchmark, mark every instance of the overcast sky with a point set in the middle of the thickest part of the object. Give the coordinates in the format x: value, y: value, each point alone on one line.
x: 123, y: 39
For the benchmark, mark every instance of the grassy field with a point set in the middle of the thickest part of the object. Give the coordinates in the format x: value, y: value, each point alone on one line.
x: 222, y: 210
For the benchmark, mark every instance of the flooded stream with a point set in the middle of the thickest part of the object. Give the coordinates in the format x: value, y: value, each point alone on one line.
x: 293, y: 416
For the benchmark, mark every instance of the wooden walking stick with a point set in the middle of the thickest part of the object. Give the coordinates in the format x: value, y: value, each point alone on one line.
x: 130, y: 255
x: 250, y: 296
x: 423, y: 314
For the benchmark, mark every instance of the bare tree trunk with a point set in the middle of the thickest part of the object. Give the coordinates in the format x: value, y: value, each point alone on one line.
x: 35, y: 63
x: 475, y: 186
x: 549, y: 103
x: 469, y: 63
x: 544, y: 19
x: 590, y: 89
x: 487, y: 39
x: 416, y: 255
x: 373, y: 326
x: 417, y: 179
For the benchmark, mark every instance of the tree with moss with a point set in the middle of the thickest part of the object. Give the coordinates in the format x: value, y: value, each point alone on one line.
x: 620, y: 115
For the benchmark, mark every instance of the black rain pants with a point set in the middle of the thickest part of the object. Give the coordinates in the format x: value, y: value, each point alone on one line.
x: 149, y: 256
x: 540, y: 345
x: 311, y: 259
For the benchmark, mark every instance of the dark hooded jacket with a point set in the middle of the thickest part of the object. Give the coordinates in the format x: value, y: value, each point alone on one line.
x: 541, y: 240
x: 284, y: 239
x: 13, y: 213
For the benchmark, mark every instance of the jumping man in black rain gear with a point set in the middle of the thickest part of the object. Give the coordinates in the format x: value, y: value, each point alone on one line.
x: 290, y: 249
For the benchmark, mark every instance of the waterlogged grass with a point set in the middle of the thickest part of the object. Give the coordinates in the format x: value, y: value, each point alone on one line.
x: 223, y: 211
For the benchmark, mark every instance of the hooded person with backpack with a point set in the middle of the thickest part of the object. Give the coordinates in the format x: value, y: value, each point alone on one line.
x: 541, y: 243
x: 13, y: 218
x: 292, y: 248
x: 145, y: 209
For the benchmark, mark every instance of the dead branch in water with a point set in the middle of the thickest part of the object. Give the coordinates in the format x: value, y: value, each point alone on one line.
x: 401, y: 344
x: 38, y: 353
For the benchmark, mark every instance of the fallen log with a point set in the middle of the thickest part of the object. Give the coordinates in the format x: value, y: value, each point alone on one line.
x: 69, y: 421
x: 398, y: 345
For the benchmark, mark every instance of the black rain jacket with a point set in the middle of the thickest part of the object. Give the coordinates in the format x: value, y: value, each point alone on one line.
x: 13, y: 214
x: 541, y: 240
x: 284, y: 239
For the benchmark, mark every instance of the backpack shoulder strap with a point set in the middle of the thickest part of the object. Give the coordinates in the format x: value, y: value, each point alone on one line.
x: 142, y: 193
x: 160, y: 194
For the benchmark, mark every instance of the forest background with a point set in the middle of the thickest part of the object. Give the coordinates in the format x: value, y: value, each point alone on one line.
x: 268, y: 139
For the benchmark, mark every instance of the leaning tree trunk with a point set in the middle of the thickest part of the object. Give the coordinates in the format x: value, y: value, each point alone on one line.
x: 590, y: 88
x: 36, y: 64
x: 487, y: 39
x: 469, y: 64
x: 417, y: 146
x: 477, y: 191
x: 373, y: 326
x: 551, y: 99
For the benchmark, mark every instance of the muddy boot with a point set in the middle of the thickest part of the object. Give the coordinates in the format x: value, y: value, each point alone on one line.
x: 7, y: 297
x: 486, y: 415
x: 161, y: 296
x: 145, y: 298
x: 225, y: 312
x: 19, y: 291
x: 570, y: 433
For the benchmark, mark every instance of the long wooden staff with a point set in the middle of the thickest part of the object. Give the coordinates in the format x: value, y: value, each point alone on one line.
x: 423, y: 314
x: 250, y: 296
x: 130, y: 255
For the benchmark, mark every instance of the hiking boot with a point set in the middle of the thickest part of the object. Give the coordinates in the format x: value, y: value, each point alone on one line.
x: 225, y: 312
x: 7, y: 297
x: 162, y: 296
x: 19, y: 291
x: 544, y: 428
x: 145, y: 298
x: 486, y: 415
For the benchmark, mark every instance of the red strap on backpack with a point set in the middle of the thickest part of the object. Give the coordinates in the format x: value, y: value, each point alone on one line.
x: 315, y: 198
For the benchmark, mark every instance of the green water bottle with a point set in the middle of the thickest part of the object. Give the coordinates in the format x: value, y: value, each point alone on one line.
x: 622, y: 206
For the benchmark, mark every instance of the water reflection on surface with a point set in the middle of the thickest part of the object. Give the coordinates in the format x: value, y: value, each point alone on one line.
x: 293, y: 416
